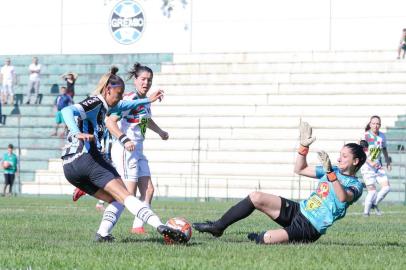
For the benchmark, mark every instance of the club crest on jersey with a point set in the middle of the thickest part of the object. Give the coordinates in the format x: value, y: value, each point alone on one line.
x: 323, y: 189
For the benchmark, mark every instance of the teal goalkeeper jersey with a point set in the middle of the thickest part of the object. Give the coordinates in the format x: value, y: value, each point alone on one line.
x: 323, y: 207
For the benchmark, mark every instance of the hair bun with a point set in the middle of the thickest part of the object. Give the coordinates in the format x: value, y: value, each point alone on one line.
x: 114, y: 70
x: 363, y: 143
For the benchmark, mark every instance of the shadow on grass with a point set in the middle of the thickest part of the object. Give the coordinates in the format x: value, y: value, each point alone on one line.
x: 241, y: 238
x: 375, y: 244
x: 154, y: 240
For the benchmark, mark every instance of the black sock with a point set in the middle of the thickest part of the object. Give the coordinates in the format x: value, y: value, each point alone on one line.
x: 239, y: 211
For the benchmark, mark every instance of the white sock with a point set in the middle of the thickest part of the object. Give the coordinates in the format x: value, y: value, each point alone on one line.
x: 110, y: 217
x: 138, y: 223
x: 139, y: 209
x: 381, y: 194
x: 369, y: 200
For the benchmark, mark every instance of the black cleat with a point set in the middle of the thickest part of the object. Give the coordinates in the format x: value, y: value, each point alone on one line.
x: 173, y: 234
x: 208, y: 227
x: 257, y: 237
x: 108, y: 238
x: 253, y: 236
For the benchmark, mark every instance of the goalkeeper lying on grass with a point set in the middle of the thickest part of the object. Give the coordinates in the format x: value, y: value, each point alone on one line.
x: 307, y: 220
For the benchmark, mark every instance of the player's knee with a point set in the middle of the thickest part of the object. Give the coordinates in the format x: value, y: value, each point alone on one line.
x: 256, y: 198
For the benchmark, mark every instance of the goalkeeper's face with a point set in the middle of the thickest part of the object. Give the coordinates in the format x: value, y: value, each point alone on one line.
x: 347, y: 162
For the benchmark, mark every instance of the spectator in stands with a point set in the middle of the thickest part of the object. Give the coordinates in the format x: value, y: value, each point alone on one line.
x: 1, y: 115
x: 402, y: 44
x: 373, y: 171
x: 9, y: 163
x: 34, y: 81
x: 8, y: 77
x: 70, y: 79
x: 306, y: 221
x: 62, y: 100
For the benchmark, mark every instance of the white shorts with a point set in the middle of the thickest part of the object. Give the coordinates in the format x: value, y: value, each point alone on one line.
x: 371, y: 176
x: 7, y: 88
x: 130, y: 165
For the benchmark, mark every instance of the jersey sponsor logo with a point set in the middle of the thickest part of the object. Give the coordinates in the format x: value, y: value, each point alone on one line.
x: 89, y: 101
x: 127, y: 22
x: 313, y: 202
x: 374, y: 153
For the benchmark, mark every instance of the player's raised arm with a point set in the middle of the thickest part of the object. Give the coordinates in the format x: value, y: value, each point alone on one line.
x: 306, y: 139
x: 124, y: 105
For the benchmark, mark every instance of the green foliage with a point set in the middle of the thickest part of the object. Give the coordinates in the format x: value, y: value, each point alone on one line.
x: 55, y: 233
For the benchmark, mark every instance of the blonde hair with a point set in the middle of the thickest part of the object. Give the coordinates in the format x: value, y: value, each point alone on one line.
x: 108, y: 78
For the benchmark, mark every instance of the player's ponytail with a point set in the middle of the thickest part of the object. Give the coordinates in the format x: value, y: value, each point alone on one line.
x: 109, y: 79
x: 357, y: 151
x: 137, y: 69
x: 368, y: 127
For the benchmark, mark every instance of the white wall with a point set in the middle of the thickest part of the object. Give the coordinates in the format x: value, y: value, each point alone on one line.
x: 81, y: 26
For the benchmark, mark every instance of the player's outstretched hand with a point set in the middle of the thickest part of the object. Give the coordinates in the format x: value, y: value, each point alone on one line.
x: 157, y: 95
x: 306, y: 138
x: 164, y: 135
x: 325, y: 161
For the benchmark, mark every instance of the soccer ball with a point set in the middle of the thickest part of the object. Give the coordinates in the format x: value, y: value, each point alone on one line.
x: 181, y: 224
x: 6, y: 164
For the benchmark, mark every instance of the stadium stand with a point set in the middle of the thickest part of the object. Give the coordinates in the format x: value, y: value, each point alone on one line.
x: 232, y: 117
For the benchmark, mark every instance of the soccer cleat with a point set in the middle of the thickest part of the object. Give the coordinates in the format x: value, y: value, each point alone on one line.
x: 377, y: 211
x: 139, y: 230
x: 100, y: 239
x: 257, y: 237
x: 173, y: 234
x: 208, y: 227
x: 366, y: 214
x: 253, y: 236
x: 77, y: 193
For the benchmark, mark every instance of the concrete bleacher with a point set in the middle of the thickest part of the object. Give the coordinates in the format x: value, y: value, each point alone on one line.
x: 233, y: 117
x: 36, y: 122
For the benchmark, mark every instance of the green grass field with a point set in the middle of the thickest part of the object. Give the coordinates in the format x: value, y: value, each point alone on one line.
x: 55, y: 233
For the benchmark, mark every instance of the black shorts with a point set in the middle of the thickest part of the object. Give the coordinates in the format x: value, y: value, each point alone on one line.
x: 298, y: 227
x: 89, y: 172
x: 9, y: 178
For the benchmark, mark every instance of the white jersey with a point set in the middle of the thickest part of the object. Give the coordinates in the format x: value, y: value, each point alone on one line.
x: 8, y: 74
x: 133, y: 123
x: 35, y: 75
x: 375, y: 145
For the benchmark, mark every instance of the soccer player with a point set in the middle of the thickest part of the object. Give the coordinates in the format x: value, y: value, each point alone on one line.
x: 307, y: 220
x: 129, y: 127
x: 373, y: 171
x: 84, y: 165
